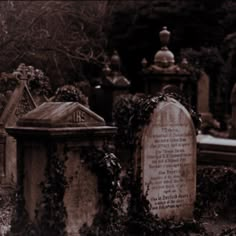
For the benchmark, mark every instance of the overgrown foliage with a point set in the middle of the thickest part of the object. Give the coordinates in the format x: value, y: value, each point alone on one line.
x: 110, y: 220
x: 107, y: 168
x: 216, y: 191
x: 215, y: 194
x: 132, y: 112
x: 70, y: 93
x: 137, y: 220
x: 39, y: 83
x: 51, y: 213
x: 7, y: 203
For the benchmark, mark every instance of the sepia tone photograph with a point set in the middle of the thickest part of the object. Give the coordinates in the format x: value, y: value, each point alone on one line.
x: 118, y: 118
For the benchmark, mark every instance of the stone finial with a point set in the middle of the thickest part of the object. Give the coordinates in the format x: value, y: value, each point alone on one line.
x: 184, y: 61
x: 23, y: 72
x: 106, y: 69
x: 112, y: 71
x: 164, y: 36
x: 144, y: 62
x: 184, y: 64
x: 164, y: 58
x: 115, y: 59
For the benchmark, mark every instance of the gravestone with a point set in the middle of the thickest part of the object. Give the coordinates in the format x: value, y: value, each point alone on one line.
x: 113, y: 85
x: 203, y: 95
x: 233, y: 104
x: 59, y: 127
x: 168, y: 160
x: 16, y: 100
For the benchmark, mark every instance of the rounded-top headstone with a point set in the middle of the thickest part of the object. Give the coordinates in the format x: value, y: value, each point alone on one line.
x: 168, y: 161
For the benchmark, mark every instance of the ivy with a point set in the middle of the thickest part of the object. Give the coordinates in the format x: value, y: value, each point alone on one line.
x: 107, y: 168
x: 138, y: 220
x: 132, y: 112
x: 51, y: 213
x: 20, y: 223
x: 228, y: 232
x: 211, y: 202
x: 70, y: 93
x: 141, y: 221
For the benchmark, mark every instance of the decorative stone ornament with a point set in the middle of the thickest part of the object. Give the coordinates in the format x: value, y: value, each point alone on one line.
x: 164, y: 75
x: 164, y: 59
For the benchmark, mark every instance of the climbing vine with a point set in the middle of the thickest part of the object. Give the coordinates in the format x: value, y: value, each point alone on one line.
x: 138, y: 220
x: 51, y: 213
x: 107, y: 168
x: 132, y: 112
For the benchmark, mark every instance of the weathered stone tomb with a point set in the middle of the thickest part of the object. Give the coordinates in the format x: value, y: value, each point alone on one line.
x: 55, y: 133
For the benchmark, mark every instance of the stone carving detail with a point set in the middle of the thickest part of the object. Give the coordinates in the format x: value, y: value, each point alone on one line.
x: 112, y: 72
x: 78, y: 117
x: 164, y: 59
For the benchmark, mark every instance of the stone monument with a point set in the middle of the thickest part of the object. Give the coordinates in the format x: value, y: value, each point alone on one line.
x: 62, y: 129
x: 113, y: 84
x: 166, y: 76
x: 203, y: 96
x: 168, y: 161
x: 16, y: 100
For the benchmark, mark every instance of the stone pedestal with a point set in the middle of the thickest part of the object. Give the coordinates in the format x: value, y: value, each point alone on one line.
x: 113, y: 84
x: 165, y: 76
x: 104, y: 96
x: 168, y: 161
x: 60, y: 131
x: 170, y: 83
x: 111, y: 94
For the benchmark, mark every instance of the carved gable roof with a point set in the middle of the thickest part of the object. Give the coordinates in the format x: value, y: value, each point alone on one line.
x: 61, y: 114
x: 18, y: 103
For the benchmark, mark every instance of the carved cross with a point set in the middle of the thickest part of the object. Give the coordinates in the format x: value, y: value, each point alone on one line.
x: 24, y: 72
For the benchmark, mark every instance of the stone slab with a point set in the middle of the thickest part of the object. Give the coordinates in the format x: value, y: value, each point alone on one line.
x: 169, y: 161
x: 214, y: 151
x: 203, y: 87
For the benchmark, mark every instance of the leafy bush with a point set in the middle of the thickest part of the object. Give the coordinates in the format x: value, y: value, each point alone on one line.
x: 132, y: 112
x: 216, y: 191
x: 70, y: 93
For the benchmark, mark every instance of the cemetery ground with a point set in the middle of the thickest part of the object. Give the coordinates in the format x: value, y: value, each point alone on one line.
x: 214, y: 213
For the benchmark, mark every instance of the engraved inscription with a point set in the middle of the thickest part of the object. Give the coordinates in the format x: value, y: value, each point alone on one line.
x: 78, y: 116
